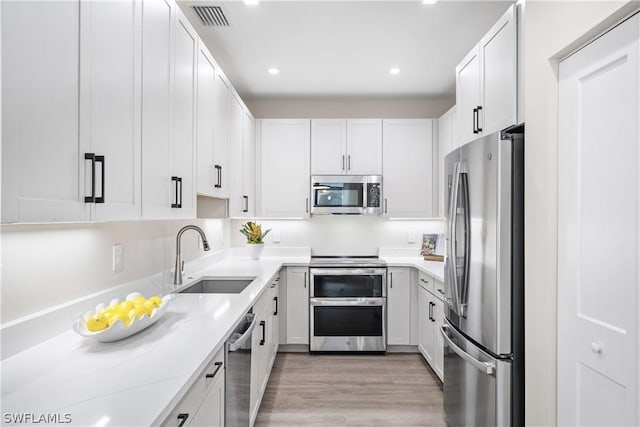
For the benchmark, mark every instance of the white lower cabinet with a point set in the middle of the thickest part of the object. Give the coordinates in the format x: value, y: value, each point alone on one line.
x: 430, y: 320
x: 203, y: 404
x: 297, y: 305
x: 398, y: 303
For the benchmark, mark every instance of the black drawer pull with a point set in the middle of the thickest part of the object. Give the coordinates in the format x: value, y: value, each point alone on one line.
x: 478, y: 119
x: 218, y: 366
x: 475, y: 120
x: 275, y: 313
x: 263, y: 324
x: 178, y: 188
x: 92, y: 197
x: 183, y: 419
x: 219, y: 169
x: 100, y: 159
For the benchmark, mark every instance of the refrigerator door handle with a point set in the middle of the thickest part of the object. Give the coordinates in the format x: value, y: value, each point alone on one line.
x: 464, y: 290
x: 484, y: 367
x: 451, y: 247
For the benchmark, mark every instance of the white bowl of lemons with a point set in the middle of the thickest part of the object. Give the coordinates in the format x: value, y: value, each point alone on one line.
x: 121, y: 319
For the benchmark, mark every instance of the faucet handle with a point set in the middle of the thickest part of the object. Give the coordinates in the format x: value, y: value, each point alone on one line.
x: 182, y: 267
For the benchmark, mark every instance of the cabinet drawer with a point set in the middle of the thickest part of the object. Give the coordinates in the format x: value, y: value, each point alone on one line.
x: 438, y: 289
x: 425, y: 281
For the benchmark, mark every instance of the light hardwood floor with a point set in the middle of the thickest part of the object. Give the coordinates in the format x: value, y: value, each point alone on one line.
x: 351, y: 390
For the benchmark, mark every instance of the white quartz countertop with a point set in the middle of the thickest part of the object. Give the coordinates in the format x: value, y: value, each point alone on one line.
x: 433, y: 268
x: 136, y: 381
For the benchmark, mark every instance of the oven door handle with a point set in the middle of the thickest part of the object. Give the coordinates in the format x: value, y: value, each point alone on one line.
x: 337, y: 302
x: 347, y: 271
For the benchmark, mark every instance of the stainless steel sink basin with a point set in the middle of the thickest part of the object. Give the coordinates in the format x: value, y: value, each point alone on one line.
x: 218, y: 286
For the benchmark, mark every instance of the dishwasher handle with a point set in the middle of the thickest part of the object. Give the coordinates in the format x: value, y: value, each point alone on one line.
x: 484, y: 367
x: 235, y: 345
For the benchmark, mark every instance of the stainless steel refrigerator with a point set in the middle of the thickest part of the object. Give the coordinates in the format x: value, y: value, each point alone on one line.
x: 484, y: 282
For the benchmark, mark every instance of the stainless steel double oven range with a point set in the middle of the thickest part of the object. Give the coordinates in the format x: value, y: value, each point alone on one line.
x: 348, y: 304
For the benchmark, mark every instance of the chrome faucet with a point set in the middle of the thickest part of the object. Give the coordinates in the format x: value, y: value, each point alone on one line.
x: 177, y: 277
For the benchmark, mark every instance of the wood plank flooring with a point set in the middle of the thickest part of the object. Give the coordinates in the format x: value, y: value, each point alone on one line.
x: 351, y: 390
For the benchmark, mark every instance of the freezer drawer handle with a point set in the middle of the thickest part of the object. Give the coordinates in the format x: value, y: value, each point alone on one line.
x: 486, y: 367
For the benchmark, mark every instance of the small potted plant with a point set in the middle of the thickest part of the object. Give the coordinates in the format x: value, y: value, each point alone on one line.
x: 253, y: 232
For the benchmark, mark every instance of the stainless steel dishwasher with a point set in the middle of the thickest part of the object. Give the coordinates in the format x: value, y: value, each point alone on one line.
x: 238, y: 373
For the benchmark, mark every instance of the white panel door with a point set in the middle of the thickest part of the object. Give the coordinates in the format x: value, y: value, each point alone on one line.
x: 184, y: 116
x: 398, y: 302
x: 211, y: 412
x: 599, y: 231
x: 468, y: 95
x: 498, y: 53
x: 110, y: 102
x: 328, y: 147
x: 425, y: 329
x: 285, y: 180
x: 364, y: 147
x: 437, y: 313
x: 157, y: 187
x: 236, y: 128
x: 42, y: 159
x: 249, y: 163
x: 222, y: 122
x: 408, y: 168
x: 205, y: 112
x: 297, y: 305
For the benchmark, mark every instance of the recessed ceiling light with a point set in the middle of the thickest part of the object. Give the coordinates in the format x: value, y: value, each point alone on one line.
x: 251, y: 2
x: 394, y: 71
x: 429, y: 1
x: 273, y: 71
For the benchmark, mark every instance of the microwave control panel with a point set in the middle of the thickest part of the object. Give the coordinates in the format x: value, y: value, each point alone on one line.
x: 373, y: 195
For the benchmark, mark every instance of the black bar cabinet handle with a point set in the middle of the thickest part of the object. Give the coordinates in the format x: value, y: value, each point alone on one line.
x: 263, y: 324
x: 92, y: 157
x: 183, y: 419
x: 100, y: 159
x: 175, y: 180
x: 391, y: 280
x: 430, y: 315
x: 180, y: 202
x: 275, y: 313
x: 246, y: 206
x: 218, y: 366
x: 478, y: 118
x: 219, y: 169
x: 475, y: 120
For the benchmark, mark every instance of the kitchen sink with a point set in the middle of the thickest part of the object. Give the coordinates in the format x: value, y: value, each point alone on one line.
x: 218, y: 286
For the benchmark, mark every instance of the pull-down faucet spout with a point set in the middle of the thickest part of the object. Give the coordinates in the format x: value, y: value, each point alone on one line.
x: 177, y: 277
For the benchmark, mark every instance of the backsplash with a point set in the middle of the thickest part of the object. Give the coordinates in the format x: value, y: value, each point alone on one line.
x: 342, y: 234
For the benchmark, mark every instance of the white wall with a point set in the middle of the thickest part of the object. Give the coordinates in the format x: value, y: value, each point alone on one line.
x: 48, y: 264
x: 552, y: 30
x: 349, y: 107
x: 342, y: 234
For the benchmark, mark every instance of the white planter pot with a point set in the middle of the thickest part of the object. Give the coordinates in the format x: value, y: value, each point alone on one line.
x: 255, y: 250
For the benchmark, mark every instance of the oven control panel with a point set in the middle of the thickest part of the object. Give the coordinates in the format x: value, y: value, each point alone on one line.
x: 373, y: 195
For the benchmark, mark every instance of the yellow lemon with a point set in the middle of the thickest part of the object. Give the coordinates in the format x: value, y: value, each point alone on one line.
x: 125, y: 306
x: 139, y: 300
x: 138, y: 311
x: 156, y: 300
x: 97, y: 323
x: 149, y: 306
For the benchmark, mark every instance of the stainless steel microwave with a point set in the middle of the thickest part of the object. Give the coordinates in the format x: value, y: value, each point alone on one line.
x: 346, y: 194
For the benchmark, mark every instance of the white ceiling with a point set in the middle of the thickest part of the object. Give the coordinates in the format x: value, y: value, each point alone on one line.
x: 345, y: 48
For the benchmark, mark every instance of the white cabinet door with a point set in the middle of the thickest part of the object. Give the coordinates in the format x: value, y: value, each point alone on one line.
x: 425, y: 328
x: 284, y: 164
x: 274, y: 309
x: 249, y: 164
x: 328, y: 147
x: 408, y: 168
x: 297, y: 305
x: 211, y: 412
x: 498, y: 53
x: 184, y: 116
x: 364, y: 147
x: 207, y: 175
x: 468, y: 97
x: 221, y: 121
x: 157, y: 187
x: 398, y: 303
x: 42, y: 159
x: 445, y: 145
x: 236, y: 118
x: 110, y: 103
x: 438, y: 342
x: 599, y: 189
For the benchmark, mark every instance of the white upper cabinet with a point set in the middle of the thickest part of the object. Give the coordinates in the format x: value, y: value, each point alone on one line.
x: 42, y: 160
x: 408, y: 168
x: 284, y: 165
x: 238, y: 198
x: 207, y: 175
x: 110, y: 105
x: 340, y: 147
x: 157, y: 75
x: 249, y: 164
x: 221, y: 135
x: 183, y: 167
x: 487, y: 82
x: 445, y: 146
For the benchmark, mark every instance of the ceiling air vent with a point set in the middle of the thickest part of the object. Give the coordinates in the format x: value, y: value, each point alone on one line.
x: 212, y: 16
